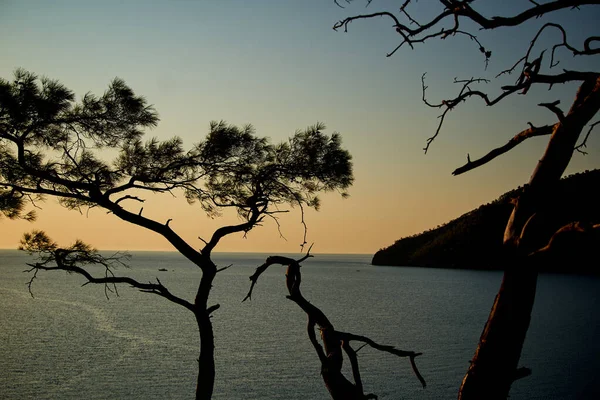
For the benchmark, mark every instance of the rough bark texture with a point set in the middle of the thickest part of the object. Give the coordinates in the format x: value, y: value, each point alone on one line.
x: 495, y: 364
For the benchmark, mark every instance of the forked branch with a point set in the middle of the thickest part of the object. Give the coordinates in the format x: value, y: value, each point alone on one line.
x: 585, y: 139
x: 335, y: 343
x: 450, y: 20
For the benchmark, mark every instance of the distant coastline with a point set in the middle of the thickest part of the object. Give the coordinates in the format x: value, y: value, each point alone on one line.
x: 474, y: 240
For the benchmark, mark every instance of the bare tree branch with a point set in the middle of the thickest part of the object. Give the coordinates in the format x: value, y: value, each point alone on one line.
x: 466, y: 92
x: 129, y: 197
x: 554, y: 108
x: 458, y: 9
x: 587, y: 135
x: 334, y: 341
x: 564, y: 238
x: 495, y: 364
x: 224, y: 268
x: 388, y: 349
x: 532, y: 131
x: 270, y: 261
x: 255, y: 218
x: 453, y: 13
x: 60, y: 258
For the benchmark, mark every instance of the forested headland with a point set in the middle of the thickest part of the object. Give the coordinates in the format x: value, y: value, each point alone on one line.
x: 474, y: 240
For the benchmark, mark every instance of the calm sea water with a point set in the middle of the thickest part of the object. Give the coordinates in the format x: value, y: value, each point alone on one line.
x: 70, y: 342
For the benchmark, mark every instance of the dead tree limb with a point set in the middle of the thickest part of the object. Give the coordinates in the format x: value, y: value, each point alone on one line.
x: 335, y: 343
x: 532, y: 225
x: 532, y: 131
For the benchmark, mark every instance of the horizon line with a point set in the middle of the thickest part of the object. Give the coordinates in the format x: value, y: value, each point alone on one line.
x: 214, y: 252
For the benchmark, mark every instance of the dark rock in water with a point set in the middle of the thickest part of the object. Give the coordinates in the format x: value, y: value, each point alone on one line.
x: 163, y: 269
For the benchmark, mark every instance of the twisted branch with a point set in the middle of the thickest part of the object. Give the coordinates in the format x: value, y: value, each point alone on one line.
x: 447, y: 22
x: 334, y: 342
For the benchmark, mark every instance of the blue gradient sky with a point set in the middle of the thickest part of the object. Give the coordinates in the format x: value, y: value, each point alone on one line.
x: 280, y: 66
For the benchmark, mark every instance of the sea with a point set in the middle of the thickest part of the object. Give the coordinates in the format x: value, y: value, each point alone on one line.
x: 69, y: 341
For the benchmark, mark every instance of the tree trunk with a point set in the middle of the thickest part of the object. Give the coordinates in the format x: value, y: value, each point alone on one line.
x: 206, y: 359
x: 495, y: 364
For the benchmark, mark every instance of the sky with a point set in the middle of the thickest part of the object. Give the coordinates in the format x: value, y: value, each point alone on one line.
x: 280, y: 66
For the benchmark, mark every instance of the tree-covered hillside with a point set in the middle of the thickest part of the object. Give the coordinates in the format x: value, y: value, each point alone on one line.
x: 474, y: 240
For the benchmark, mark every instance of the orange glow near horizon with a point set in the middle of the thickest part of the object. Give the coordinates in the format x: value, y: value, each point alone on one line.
x: 281, y: 70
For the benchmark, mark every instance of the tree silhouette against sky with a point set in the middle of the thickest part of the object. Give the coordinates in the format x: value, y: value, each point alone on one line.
x: 534, y: 224
x: 54, y: 146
